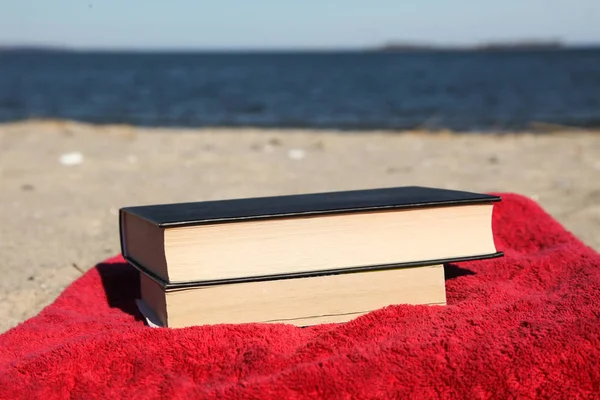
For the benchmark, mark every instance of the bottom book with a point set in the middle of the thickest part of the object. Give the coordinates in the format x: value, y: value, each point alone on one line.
x: 297, y: 301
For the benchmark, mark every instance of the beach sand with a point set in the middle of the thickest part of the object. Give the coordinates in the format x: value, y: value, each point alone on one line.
x: 58, y: 220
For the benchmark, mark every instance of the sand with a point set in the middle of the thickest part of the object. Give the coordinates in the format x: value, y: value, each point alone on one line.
x: 62, y: 183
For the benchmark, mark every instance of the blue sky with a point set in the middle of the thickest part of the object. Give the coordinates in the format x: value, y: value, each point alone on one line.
x: 271, y: 24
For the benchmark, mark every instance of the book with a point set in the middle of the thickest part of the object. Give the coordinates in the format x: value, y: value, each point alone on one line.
x: 305, y: 301
x: 267, y: 238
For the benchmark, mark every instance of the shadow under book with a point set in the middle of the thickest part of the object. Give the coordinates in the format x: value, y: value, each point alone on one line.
x: 302, y: 259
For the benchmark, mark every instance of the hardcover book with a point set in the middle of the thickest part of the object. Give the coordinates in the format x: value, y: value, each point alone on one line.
x: 297, y: 301
x: 269, y: 238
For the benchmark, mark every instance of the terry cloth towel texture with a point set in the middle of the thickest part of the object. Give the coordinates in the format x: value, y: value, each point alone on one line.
x: 523, y: 326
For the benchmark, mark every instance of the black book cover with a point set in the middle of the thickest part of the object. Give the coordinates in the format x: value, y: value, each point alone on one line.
x: 172, y: 286
x: 182, y: 214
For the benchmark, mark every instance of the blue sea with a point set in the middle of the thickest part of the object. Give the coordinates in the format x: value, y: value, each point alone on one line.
x: 459, y: 90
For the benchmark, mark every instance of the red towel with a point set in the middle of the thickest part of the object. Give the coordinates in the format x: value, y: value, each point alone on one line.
x: 523, y: 326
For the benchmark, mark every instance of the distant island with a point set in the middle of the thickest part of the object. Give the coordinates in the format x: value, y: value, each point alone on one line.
x: 32, y: 49
x: 506, y: 46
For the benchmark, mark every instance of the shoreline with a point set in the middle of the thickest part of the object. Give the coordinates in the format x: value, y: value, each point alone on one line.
x: 535, y: 128
x: 64, y: 181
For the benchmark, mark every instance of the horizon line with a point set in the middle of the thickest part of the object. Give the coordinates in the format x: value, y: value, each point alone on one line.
x: 392, y: 46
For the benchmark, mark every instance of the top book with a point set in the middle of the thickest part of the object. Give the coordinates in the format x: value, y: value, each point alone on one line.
x: 236, y: 240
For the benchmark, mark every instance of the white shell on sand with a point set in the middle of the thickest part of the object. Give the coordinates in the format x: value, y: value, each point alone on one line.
x: 296, y: 154
x: 69, y: 159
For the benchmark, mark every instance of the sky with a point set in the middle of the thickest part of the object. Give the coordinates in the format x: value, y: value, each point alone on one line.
x: 307, y: 24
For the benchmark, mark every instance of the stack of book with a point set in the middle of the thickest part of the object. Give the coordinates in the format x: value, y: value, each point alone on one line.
x: 302, y: 259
